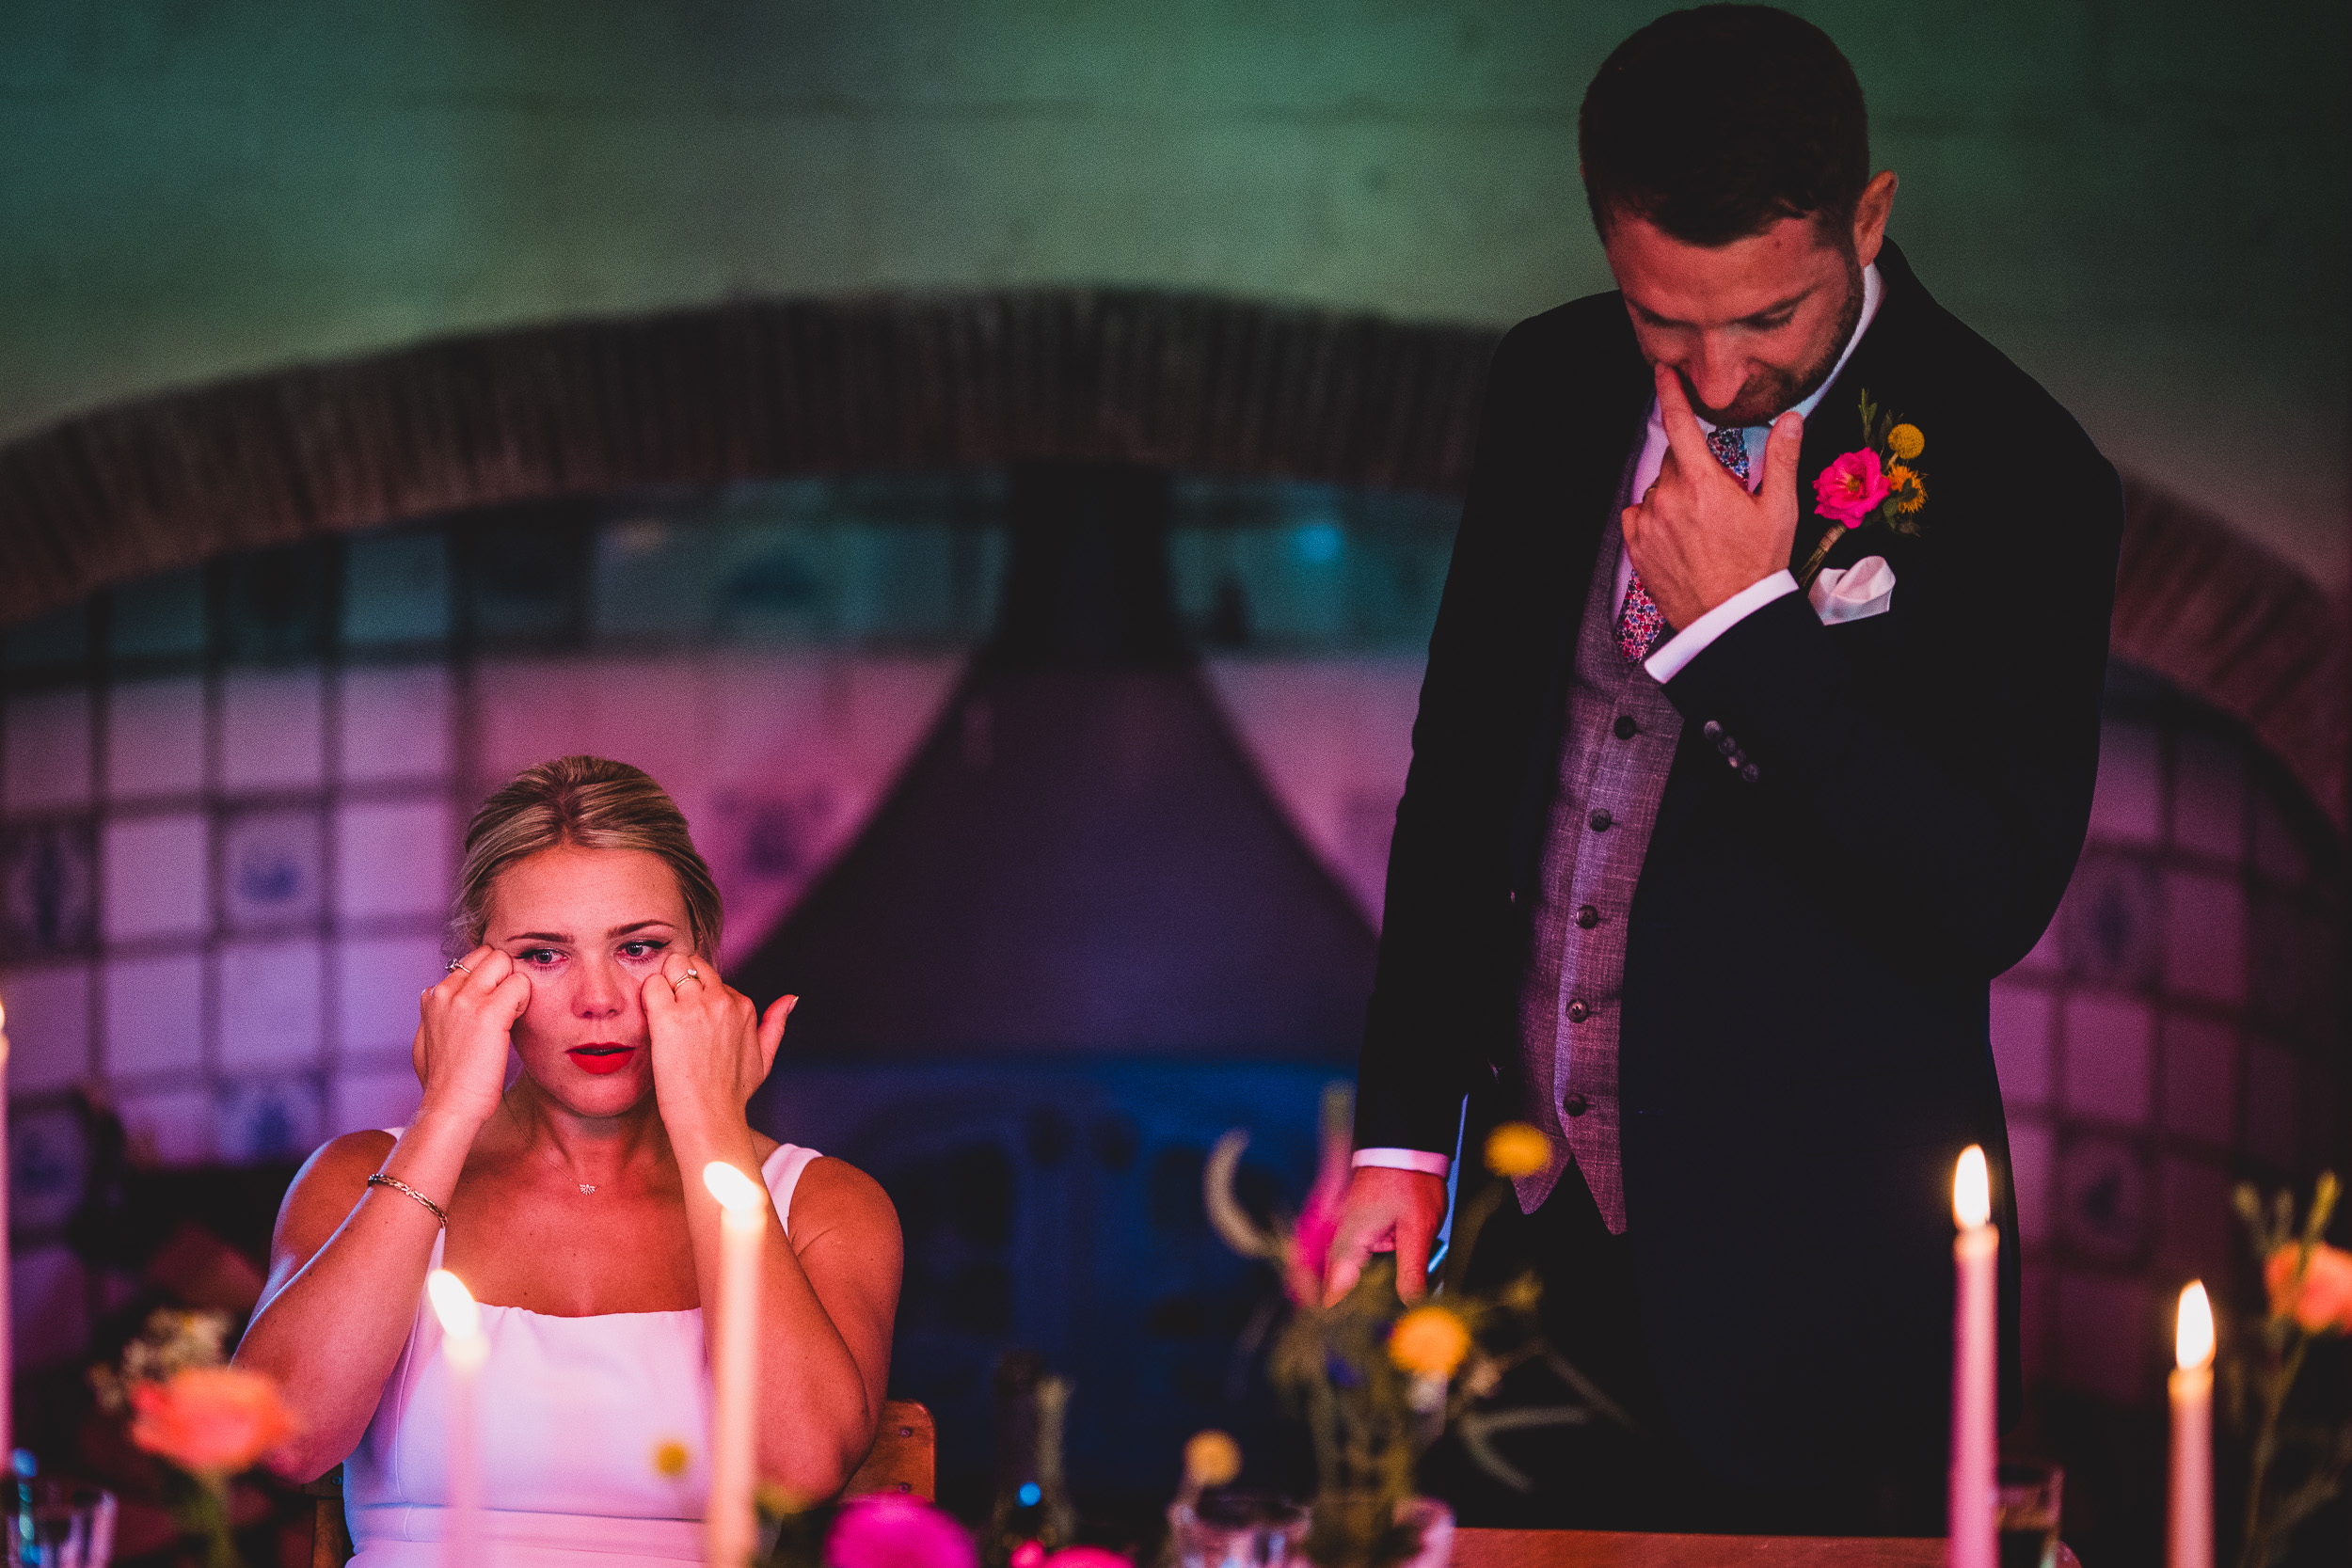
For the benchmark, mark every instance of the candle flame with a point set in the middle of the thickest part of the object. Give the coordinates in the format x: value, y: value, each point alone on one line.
x: 461, y: 1317
x: 2192, y: 1333
x: 1971, y: 1190
x: 738, y: 1193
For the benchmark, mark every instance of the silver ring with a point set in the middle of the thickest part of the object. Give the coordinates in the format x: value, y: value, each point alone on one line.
x: 454, y: 965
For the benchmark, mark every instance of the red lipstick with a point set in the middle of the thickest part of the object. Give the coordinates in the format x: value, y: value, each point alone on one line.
x: 600, y: 1058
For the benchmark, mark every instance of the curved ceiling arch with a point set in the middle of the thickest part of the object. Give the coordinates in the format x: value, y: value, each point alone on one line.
x: 776, y: 389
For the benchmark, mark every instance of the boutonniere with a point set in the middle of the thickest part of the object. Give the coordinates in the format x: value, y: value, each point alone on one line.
x: 1881, y: 480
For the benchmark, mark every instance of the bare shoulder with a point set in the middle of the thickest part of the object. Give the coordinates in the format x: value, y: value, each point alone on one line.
x: 835, y: 1200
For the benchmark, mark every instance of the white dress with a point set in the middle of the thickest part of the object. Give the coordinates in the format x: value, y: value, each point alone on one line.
x: 573, y: 1412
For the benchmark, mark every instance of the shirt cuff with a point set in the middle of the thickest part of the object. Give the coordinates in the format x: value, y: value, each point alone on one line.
x: 1693, y: 639
x: 1403, y: 1159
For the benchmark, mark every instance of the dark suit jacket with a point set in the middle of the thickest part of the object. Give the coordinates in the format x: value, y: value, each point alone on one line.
x: 1805, y: 1048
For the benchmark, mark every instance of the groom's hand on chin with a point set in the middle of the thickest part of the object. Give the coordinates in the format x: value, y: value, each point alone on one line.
x: 1385, y: 1211
x: 1698, y: 537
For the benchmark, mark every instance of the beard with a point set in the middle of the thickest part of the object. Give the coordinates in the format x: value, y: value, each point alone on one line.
x: 1768, y: 396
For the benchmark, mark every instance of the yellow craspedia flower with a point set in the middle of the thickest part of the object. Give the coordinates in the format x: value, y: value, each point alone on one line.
x: 1212, y: 1459
x: 1516, y: 1149
x: 670, y: 1459
x: 1906, y: 443
x: 1429, y: 1341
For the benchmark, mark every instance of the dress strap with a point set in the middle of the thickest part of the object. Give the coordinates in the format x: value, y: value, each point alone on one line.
x: 782, y: 1171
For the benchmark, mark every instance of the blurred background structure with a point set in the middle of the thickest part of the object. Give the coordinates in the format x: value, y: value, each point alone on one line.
x: 996, y: 465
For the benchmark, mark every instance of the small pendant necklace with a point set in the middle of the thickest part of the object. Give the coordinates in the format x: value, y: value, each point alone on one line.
x: 587, y: 1186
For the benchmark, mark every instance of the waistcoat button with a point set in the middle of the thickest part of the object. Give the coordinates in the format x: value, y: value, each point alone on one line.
x: 1627, y: 728
x: 1575, y: 1105
x: 1600, y: 820
x: 1588, y: 917
x: 1578, y: 1012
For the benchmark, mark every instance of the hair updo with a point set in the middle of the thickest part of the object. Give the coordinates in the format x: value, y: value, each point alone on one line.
x: 590, y: 803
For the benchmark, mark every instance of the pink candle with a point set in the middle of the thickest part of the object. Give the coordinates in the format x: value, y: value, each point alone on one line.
x: 8, y: 1330
x: 2189, y: 1541
x: 729, y: 1528
x: 1972, y: 1541
x: 463, y: 1351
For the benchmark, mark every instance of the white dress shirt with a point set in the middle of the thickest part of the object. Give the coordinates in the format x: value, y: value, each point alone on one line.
x: 1669, y: 657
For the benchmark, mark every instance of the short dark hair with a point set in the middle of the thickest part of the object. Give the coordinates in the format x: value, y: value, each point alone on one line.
x: 1716, y: 123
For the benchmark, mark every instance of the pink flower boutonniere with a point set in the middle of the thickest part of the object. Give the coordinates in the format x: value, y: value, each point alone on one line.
x: 1878, y: 479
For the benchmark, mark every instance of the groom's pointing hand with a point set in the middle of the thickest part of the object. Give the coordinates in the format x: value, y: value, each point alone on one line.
x: 1698, y: 537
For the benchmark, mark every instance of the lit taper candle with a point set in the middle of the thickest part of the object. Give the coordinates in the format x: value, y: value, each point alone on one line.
x: 1973, y: 1540
x: 464, y: 1349
x: 729, y: 1529
x: 2189, y: 1540
x: 8, y: 1331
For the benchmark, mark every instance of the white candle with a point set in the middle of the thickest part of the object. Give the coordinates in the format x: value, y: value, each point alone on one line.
x: 1976, y: 1362
x: 2189, y: 1543
x: 7, y: 1329
x: 729, y: 1530
x: 463, y: 1351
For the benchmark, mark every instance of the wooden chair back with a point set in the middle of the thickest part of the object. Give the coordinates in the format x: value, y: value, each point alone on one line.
x: 903, y: 1462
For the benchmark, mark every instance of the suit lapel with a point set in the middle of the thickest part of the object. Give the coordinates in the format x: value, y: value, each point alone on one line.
x: 1603, y: 403
x: 1835, y: 428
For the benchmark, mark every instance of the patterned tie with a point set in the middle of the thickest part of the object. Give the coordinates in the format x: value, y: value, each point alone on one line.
x: 1640, y: 626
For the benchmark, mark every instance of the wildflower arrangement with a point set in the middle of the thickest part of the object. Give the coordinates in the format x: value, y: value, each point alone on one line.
x: 1378, y: 1384
x: 2294, y: 1466
x: 209, y: 1421
x: 1881, y: 480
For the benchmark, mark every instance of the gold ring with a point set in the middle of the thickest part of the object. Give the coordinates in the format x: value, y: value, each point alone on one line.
x: 692, y: 973
x: 454, y: 965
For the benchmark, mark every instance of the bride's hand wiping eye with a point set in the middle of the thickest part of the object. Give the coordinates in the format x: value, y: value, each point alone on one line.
x: 710, y: 1047
x: 462, y: 1032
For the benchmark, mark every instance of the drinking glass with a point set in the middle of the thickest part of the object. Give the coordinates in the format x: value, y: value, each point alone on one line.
x: 2027, y: 1508
x: 60, y: 1524
x: 1230, y: 1528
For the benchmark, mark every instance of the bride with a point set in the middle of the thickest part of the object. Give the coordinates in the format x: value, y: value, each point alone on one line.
x: 564, y: 1203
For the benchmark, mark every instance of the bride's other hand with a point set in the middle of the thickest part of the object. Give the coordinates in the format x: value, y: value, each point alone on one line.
x: 462, y: 1035
x: 710, y: 1046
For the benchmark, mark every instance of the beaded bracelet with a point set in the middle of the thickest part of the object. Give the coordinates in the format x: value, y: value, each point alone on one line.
x: 380, y: 1180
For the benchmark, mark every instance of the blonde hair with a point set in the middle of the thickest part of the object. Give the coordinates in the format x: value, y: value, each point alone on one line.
x: 592, y: 803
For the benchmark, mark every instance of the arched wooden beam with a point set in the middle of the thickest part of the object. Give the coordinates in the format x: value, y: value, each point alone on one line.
x: 826, y: 386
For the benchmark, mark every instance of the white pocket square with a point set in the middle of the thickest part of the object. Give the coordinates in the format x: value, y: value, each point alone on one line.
x: 1854, y: 592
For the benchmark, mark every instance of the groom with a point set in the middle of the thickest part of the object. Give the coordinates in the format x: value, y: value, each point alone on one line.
x: 1756, y: 740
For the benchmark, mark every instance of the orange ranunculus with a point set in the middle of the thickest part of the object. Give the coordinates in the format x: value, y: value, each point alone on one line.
x: 1429, y: 1341
x: 2325, y: 1301
x: 211, y: 1422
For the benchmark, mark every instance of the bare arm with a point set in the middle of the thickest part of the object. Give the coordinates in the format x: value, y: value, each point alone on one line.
x: 349, y: 1261
x: 829, y: 1291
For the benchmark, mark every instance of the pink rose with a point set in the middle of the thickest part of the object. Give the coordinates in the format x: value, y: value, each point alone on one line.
x: 1850, y: 489
x: 2324, y: 1302
x: 1086, y: 1557
x: 898, y: 1532
x: 211, y: 1422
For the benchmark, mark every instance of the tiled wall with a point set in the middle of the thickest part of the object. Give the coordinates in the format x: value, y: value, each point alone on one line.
x: 2179, y: 1029
x: 228, y: 801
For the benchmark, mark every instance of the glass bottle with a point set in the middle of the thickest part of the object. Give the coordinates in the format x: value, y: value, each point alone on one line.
x: 1031, y: 1506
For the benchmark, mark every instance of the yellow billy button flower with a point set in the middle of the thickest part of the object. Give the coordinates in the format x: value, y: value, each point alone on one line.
x: 670, y: 1459
x: 1212, y: 1459
x: 1906, y: 443
x: 1429, y: 1341
x: 1516, y: 1149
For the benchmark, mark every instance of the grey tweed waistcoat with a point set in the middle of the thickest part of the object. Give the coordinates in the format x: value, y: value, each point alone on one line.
x: 1617, y: 748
